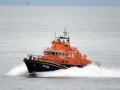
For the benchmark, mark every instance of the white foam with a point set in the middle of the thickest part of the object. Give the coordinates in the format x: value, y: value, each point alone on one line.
x: 18, y: 71
x: 88, y: 71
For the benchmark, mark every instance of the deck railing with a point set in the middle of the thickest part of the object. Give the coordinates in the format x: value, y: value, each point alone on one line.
x: 33, y: 57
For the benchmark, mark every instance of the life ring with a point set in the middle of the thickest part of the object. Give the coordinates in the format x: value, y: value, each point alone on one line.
x: 84, y: 56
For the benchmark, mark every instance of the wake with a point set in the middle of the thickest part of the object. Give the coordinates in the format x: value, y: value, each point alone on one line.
x: 88, y: 71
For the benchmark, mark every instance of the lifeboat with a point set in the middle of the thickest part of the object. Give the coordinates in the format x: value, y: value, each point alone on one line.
x: 60, y: 55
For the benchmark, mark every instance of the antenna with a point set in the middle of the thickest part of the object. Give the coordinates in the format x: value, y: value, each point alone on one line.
x: 67, y: 38
x: 65, y: 33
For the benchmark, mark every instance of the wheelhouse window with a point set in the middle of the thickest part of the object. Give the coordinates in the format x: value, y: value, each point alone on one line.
x: 56, y: 53
x: 63, y: 54
x: 53, y: 53
x: 66, y: 54
x: 74, y: 55
x: 60, y: 53
x: 47, y: 52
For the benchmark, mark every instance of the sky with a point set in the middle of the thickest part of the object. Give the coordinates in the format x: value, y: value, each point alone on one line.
x: 62, y: 2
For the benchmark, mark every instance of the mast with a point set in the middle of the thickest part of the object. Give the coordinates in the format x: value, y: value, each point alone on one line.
x: 66, y: 36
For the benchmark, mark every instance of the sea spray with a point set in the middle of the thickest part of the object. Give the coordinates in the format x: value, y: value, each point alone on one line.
x: 87, y: 71
x: 18, y: 71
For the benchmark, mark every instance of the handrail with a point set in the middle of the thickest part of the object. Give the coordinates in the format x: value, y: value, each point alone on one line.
x: 33, y: 57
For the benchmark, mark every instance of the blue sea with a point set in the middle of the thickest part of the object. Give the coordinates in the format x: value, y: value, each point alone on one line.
x: 95, y: 31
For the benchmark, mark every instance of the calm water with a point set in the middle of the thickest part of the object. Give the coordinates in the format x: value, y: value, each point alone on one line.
x: 28, y: 30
